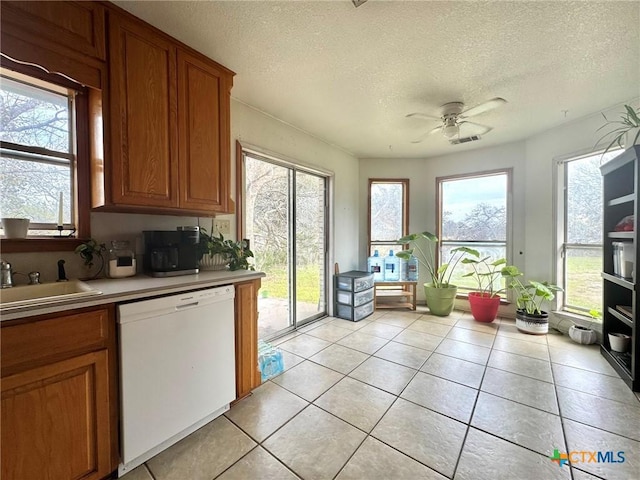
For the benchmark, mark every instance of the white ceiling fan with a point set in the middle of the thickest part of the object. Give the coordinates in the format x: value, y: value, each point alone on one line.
x: 453, y: 116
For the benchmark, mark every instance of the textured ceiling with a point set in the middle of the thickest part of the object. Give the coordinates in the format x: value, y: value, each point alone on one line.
x: 349, y: 76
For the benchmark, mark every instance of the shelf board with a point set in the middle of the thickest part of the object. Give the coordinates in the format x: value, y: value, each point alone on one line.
x: 620, y: 200
x: 623, y: 318
x: 618, y: 280
x: 618, y: 365
x: 621, y: 235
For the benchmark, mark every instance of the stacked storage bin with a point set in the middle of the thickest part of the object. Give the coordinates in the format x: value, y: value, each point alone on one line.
x: 353, y: 295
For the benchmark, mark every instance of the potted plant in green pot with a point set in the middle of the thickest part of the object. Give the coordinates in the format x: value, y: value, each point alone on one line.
x: 484, y: 302
x: 439, y: 292
x: 624, y: 131
x: 530, y: 318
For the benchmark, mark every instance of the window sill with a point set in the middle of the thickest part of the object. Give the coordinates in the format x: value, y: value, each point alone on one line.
x: 45, y: 244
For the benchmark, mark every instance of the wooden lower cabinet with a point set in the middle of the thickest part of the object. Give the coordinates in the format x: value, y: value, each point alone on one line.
x: 58, y: 414
x: 246, y: 303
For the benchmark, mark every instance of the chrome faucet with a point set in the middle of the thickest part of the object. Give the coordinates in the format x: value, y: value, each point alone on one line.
x: 34, y: 278
x: 6, y: 277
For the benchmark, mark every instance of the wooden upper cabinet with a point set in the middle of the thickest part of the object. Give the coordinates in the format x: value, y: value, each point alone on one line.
x: 170, y: 125
x: 203, y: 127
x: 143, y: 115
x: 62, y: 37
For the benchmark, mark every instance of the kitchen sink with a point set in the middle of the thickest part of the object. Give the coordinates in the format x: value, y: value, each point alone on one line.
x: 44, y: 294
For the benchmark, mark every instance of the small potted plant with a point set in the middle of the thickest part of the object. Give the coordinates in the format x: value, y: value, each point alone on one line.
x: 439, y: 292
x: 218, y: 253
x: 484, y: 302
x: 530, y: 318
x: 89, y: 251
x: 625, y: 131
x: 584, y: 335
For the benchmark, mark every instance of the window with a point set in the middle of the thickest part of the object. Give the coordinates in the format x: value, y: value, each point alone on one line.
x: 473, y: 211
x: 580, y: 262
x: 388, y: 213
x: 39, y: 170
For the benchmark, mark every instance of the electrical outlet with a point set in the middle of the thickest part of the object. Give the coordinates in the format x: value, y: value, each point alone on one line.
x: 222, y: 226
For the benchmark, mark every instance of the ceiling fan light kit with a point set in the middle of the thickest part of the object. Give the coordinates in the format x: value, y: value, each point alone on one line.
x: 453, y: 115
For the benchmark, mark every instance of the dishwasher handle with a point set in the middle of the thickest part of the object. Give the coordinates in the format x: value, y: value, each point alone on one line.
x: 187, y: 305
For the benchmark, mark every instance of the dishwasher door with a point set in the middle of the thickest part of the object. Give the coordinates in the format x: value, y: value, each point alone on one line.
x: 177, y: 362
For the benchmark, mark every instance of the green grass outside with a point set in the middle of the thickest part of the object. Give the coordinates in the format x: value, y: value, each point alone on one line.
x: 276, y: 283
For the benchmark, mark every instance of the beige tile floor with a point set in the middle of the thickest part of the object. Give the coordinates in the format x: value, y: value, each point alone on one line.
x: 406, y: 395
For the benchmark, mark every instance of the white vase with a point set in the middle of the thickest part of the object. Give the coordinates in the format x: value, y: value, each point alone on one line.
x: 213, y: 262
x: 619, y: 342
x: 582, y: 335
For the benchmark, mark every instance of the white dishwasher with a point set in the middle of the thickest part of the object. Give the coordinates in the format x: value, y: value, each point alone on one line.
x: 177, y: 368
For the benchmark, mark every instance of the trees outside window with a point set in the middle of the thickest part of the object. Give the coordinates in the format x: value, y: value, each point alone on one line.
x: 37, y: 161
x: 388, y: 213
x: 473, y: 211
x: 580, y: 207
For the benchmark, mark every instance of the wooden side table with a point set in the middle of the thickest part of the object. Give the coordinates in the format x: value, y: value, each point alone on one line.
x: 403, y: 289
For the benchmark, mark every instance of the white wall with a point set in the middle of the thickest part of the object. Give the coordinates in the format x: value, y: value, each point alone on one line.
x: 252, y: 127
x: 422, y: 175
x: 534, y: 165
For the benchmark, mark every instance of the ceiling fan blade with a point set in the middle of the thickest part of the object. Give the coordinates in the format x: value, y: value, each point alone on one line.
x: 483, y: 107
x: 423, y: 115
x: 435, y: 130
x: 477, y: 128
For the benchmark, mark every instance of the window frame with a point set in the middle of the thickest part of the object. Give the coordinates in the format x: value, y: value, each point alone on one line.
x: 405, y: 211
x: 508, y: 215
x: 560, y: 206
x: 80, y: 168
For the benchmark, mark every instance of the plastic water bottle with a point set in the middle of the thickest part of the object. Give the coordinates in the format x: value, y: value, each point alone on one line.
x: 412, y: 269
x: 404, y: 269
x: 391, y: 268
x: 375, y: 265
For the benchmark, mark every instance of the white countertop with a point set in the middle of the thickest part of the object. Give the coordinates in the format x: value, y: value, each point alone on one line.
x: 135, y: 288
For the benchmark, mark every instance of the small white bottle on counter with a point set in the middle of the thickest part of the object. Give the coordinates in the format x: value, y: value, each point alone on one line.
x: 122, y: 260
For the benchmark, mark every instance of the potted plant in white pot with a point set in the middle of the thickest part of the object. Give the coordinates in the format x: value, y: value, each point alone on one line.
x: 218, y: 253
x: 584, y: 335
x: 484, y: 302
x: 439, y: 291
x: 624, y: 131
x: 530, y: 318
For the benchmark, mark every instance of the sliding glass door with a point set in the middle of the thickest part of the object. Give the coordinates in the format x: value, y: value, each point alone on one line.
x: 285, y: 221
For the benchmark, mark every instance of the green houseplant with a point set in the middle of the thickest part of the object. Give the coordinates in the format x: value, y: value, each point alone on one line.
x: 216, y: 253
x: 626, y: 126
x: 484, y: 302
x: 530, y: 318
x: 439, y: 291
x: 89, y: 251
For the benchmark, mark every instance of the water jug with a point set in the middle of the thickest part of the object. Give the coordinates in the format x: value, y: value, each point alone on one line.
x: 404, y: 269
x: 412, y: 269
x: 391, y: 268
x: 375, y: 265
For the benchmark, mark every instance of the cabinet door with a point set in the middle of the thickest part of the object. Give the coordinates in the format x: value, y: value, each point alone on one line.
x: 143, y: 115
x: 55, y: 420
x: 204, y: 135
x: 247, y: 373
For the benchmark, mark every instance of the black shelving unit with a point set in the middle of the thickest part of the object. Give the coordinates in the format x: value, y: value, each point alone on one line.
x: 621, y: 181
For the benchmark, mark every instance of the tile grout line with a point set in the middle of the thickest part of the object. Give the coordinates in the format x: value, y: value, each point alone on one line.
x: 564, y: 433
x: 473, y: 411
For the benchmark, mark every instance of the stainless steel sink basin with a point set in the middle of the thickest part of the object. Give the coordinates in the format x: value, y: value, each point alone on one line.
x: 44, y: 294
